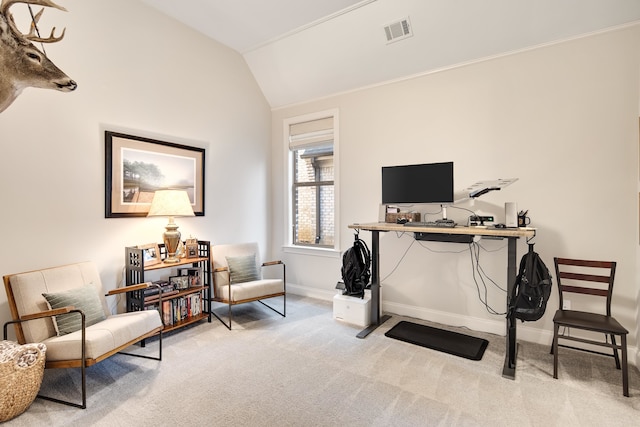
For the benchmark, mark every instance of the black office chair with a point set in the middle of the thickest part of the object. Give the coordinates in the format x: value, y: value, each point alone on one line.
x: 593, y: 278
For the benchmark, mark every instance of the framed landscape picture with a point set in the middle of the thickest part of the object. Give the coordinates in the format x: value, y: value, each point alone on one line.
x: 135, y: 167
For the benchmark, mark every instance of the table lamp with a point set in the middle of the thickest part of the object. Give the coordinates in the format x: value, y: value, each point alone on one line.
x: 171, y: 203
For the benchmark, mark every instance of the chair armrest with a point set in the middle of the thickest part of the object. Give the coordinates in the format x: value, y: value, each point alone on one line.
x: 280, y: 263
x: 47, y: 313
x: 43, y: 314
x: 221, y: 269
x: 268, y: 263
x: 131, y: 288
x: 138, y: 287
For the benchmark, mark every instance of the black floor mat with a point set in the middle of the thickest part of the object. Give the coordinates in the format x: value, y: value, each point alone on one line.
x: 438, y: 339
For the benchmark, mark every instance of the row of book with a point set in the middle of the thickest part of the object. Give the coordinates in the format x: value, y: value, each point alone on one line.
x: 186, y: 278
x: 153, y: 291
x: 178, y: 309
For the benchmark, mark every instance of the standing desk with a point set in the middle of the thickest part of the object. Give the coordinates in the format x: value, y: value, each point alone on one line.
x: 511, y: 234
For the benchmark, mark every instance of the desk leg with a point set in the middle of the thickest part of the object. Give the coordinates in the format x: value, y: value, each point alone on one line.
x: 509, y: 369
x: 376, y: 319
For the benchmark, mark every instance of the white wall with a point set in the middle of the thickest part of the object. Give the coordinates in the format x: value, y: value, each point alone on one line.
x: 144, y: 74
x: 562, y: 118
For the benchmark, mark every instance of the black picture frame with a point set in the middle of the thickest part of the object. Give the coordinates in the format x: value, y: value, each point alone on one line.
x: 128, y: 157
x: 179, y: 282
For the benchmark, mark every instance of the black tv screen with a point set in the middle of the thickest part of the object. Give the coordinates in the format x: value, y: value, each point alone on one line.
x: 423, y: 183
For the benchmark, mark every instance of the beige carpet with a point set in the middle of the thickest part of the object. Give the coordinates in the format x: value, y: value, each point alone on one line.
x: 310, y: 370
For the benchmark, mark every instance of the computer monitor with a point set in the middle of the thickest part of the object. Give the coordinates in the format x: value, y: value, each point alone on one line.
x: 420, y: 183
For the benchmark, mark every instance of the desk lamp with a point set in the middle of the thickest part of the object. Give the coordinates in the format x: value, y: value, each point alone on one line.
x: 171, y: 203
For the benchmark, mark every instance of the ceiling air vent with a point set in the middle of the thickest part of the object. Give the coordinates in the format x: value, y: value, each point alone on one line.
x: 398, y: 30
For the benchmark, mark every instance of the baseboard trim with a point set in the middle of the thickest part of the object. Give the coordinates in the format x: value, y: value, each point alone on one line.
x: 497, y: 327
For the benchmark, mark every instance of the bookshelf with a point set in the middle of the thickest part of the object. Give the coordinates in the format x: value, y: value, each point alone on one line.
x: 180, y: 307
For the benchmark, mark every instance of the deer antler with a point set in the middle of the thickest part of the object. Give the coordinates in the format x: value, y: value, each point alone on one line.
x: 32, y: 36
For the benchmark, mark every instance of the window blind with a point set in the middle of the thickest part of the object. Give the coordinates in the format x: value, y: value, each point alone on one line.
x: 312, y: 134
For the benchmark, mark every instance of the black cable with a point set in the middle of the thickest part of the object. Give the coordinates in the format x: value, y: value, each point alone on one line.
x: 464, y: 209
x: 476, y: 267
x: 424, y: 215
x: 400, y: 260
x: 494, y: 250
x: 413, y: 241
x: 481, y: 271
x: 475, y: 280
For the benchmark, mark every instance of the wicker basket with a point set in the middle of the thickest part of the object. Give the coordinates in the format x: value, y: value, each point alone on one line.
x: 21, y: 371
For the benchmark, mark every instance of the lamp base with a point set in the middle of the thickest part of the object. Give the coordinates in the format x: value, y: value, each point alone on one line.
x: 171, y: 260
x: 171, y: 238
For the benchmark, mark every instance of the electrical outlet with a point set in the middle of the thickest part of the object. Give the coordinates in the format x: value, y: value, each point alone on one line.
x: 566, y: 304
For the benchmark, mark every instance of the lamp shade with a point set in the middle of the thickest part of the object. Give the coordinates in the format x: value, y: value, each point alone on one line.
x: 171, y: 203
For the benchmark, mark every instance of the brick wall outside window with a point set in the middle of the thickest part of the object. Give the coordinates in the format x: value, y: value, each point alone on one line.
x: 305, y: 201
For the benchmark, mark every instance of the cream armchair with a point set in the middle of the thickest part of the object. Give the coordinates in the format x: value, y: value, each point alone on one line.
x: 65, y: 309
x: 238, y: 278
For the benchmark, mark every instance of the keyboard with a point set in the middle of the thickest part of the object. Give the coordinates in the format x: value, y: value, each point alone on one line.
x: 448, y: 223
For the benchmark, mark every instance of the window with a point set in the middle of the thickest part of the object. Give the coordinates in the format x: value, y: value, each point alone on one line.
x: 312, y: 195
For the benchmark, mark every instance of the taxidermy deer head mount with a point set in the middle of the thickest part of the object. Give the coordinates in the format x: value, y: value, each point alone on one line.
x: 21, y: 64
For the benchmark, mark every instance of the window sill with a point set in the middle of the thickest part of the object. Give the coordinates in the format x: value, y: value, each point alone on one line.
x: 307, y: 250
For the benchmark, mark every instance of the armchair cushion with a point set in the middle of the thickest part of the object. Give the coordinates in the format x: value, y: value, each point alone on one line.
x: 84, y: 298
x: 115, y: 331
x: 251, y: 290
x: 243, y: 268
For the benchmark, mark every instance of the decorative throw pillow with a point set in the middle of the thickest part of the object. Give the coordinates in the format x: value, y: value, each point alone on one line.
x: 243, y: 268
x: 85, y: 298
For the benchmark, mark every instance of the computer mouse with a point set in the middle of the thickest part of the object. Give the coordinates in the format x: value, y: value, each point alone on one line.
x: 500, y: 226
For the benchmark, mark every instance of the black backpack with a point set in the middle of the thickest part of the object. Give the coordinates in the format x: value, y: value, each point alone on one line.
x: 356, y: 262
x: 532, y: 288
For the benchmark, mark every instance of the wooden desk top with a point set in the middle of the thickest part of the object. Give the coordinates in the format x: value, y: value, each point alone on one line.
x: 476, y: 231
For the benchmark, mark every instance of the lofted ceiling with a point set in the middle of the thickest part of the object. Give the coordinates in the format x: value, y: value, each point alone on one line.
x: 244, y: 25
x: 300, y: 50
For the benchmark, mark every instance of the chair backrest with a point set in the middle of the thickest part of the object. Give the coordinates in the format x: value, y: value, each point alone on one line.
x: 24, y: 293
x: 586, y: 277
x: 219, y: 254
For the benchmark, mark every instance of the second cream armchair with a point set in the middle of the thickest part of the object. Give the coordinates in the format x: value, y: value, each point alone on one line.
x: 238, y: 278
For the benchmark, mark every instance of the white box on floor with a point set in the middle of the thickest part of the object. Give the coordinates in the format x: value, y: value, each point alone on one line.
x: 353, y: 310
